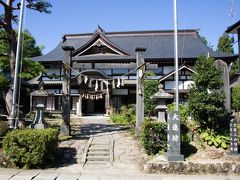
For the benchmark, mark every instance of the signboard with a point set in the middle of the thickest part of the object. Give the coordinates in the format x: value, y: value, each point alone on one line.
x: 233, y: 137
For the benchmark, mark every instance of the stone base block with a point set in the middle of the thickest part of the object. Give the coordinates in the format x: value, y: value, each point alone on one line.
x: 172, y: 157
x: 65, y: 130
x: 40, y: 126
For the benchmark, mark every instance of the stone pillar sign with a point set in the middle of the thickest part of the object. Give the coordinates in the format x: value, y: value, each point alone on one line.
x: 233, y: 136
x: 173, y: 137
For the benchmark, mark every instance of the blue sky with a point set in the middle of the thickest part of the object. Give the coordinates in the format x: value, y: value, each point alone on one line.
x: 78, y: 16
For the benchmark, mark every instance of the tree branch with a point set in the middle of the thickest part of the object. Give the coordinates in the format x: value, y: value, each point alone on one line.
x: 3, y: 54
x: 17, y: 8
x: 2, y: 24
x: 4, y: 4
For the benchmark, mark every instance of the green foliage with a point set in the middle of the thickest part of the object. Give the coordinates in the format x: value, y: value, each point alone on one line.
x: 30, y: 68
x: 236, y: 98
x: 206, y: 99
x: 39, y: 5
x: 3, y: 82
x: 234, y: 68
x: 126, y: 116
x: 225, y: 44
x: 31, y: 148
x: 215, y: 139
x: 150, y: 88
x: 154, y: 137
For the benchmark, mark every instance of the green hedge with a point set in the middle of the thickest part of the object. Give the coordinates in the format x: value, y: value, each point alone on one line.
x: 31, y: 148
x: 154, y: 137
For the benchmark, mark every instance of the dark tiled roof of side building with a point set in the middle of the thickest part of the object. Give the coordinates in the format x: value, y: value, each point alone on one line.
x: 159, y: 45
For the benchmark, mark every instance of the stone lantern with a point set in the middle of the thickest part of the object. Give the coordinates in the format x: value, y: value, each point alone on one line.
x: 161, y: 97
x: 39, y: 122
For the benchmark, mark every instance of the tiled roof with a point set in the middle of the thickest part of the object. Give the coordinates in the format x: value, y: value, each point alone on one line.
x: 159, y: 45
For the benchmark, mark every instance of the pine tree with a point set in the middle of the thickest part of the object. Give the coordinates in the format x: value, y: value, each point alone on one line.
x: 206, y: 99
x: 225, y: 44
x: 10, y: 7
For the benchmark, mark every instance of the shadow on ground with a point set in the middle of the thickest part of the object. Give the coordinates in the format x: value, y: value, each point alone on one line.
x: 188, y: 149
x: 65, y: 156
x: 88, y: 130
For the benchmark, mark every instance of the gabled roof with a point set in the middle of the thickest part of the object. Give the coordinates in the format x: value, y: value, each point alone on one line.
x: 99, y: 40
x: 159, y: 45
x: 233, y: 28
x: 173, y: 72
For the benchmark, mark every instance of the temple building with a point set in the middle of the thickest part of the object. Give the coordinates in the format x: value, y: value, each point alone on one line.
x: 103, y: 68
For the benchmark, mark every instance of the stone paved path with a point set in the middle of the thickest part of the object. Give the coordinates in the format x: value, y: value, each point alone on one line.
x: 128, y: 157
x: 9, y: 174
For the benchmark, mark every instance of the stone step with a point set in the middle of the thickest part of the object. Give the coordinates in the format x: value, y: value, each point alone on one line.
x: 97, y: 163
x: 98, y: 158
x: 100, y: 143
x: 98, y: 148
x: 98, y: 153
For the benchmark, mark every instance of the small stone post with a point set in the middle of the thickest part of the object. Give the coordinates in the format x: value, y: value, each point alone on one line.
x: 140, y: 90
x: 66, y: 91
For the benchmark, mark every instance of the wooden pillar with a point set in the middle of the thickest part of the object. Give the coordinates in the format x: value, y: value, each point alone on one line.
x: 139, y: 90
x: 66, y: 91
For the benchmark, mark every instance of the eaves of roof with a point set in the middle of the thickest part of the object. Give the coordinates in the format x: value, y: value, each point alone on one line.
x: 233, y: 28
x: 173, y: 72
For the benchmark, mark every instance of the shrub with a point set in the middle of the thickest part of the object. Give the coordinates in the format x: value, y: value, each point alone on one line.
x: 125, y: 117
x: 154, y: 137
x: 150, y: 88
x: 236, y: 98
x: 31, y: 148
x: 215, y: 139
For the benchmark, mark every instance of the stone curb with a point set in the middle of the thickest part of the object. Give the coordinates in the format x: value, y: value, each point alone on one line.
x: 190, y: 168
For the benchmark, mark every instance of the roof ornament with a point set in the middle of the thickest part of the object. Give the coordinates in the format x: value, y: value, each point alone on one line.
x: 99, y: 30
